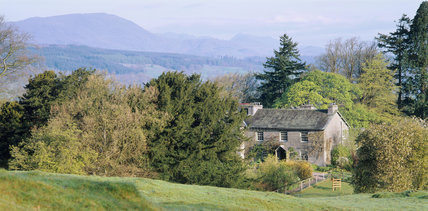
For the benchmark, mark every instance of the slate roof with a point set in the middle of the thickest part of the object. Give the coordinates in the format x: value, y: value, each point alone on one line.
x: 289, y: 119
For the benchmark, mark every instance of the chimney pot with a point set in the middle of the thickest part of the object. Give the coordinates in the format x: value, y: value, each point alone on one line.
x: 332, y: 108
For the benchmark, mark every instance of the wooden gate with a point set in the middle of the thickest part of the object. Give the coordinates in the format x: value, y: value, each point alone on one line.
x: 336, y: 183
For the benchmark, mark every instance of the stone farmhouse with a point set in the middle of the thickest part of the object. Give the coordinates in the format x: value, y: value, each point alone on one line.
x: 307, y: 131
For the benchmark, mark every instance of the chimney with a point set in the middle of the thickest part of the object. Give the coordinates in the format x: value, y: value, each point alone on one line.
x: 332, y: 108
x: 307, y: 107
x: 253, y: 107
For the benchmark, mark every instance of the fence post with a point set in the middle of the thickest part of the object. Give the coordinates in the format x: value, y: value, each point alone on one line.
x: 301, y: 186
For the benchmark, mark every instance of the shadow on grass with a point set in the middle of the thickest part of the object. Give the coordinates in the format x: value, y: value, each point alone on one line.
x: 321, y: 187
x: 181, y: 205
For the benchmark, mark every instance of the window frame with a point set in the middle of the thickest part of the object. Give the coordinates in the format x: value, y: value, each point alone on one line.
x: 260, y: 134
x: 304, y: 136
x: 281, y: 137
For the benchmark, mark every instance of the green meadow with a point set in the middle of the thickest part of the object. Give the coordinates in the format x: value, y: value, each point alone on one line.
x: 34, y: 190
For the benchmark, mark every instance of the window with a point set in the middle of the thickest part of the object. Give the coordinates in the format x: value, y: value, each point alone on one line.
x: 260, y: 136
x: 304, y: 156
x: 283, y: 136
x: 304, y: 136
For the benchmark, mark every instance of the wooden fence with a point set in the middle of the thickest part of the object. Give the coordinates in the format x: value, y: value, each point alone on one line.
x: 307, y: 183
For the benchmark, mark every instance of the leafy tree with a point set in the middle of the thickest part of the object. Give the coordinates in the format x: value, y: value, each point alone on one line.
x: 320, y: 89
x: 56, y: 147
x: 377, y: 85
x: 302, y: 93
x: 418, y: 80
x: 199, y: 143
x: 392, y: 157
x: 397, y: 43
x: 100, y: 130
x: 282, y: 70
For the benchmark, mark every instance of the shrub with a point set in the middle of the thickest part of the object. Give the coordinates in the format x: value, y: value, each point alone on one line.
x: 341, y: 157
x: 275, y: 175
x: 303, y: 169
x: 392, y: 157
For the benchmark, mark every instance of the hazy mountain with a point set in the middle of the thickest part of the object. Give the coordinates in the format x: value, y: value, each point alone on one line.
x: 96, y: 30
x: 102, y: 30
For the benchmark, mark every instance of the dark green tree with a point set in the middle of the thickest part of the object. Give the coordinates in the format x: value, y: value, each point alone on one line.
x: 11, y: 130
x: 397, y: 43
x: 202, y: 135
x: 282, y: 70
x: 41, y: 92
x: 418, y: 80
x: 46, y: 89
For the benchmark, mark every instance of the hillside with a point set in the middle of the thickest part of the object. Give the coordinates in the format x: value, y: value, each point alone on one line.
x: 134, y: 66
x: 45, y: 191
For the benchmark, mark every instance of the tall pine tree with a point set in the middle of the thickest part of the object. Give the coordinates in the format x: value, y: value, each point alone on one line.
x: 397, y: 43
x: 417, y: 87
x: 282, y: 70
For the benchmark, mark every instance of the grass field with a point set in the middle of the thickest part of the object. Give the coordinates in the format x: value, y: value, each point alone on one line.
x: 44, y: 191
x: 323, y: 189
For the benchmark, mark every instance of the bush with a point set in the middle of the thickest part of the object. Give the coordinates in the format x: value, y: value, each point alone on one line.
x: 323, y: 168
x: 392, y: 157
x: 341, y: 157
x: 275, y: 175
x: 303, y: 169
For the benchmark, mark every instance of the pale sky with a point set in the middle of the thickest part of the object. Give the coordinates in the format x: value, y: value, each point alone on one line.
x: 309, y: 22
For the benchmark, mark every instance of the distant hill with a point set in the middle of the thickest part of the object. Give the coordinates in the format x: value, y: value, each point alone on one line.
x: 102, y: 30
x: 135, y: 66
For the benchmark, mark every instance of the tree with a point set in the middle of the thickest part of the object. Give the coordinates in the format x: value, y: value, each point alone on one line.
x: 392, y: 157
x: 282, y: 70
x: 57, y: 147
x: 397, y: 43
x: 41, y: 92
x: 200, y: 141
x: 320, y: 89
x: 418, y: 80
x: 242, y: 86
x: 13, y: 50
x: 377, y: 85
x: 100, y: 129
x: 347, y: 57
x: 11, y: 130
x: 301, y: 93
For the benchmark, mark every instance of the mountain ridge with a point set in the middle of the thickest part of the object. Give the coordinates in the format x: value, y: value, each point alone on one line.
x: 102, y: 30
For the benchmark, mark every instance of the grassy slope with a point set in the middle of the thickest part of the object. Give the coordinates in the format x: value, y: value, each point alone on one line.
x: 27, y: 190
x: 36, y: 190
x: 323, y: 189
